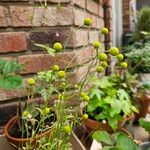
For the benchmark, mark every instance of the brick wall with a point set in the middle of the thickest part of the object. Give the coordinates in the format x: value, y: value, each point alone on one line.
x: 25, y: 22
x: 126, y: 15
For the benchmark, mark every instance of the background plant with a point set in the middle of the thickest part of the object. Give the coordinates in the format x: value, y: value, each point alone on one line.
x: 8, y: 77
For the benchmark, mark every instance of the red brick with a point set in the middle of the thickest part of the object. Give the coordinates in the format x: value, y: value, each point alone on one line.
x: 38, y: 62
x: 97, y: 22
x: 79, y: 16
x: 2, y: 18
x: 92, y: 6
x: 109, y: 13
x: 101, y: 11
x: 54, y: 1
x: 13, y: 42
x: 39, y: 16
x: 93, y: 36
x: 80, y: 3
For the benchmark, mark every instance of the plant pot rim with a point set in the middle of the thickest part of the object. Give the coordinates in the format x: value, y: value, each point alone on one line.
x: 10, y: 124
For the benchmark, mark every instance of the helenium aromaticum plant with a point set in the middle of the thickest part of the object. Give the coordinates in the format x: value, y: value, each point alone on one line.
x: 55, y: 113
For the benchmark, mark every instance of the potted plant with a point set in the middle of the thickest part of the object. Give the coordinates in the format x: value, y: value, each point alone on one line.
x: 49, y: 124
x: 109, y: 105
x: 146, y: 125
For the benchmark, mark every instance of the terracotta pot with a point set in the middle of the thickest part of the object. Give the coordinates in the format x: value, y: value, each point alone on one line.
x: 97, y: 125
x: 20, y: 142
x: 143, y: 105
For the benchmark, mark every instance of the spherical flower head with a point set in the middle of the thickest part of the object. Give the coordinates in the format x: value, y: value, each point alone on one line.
x: 114, y: 51
x: 58, y: 46
x: 67, y: 129
x: 31, y: 81
x: 76, y: 86
x: 61, y: 74
x: 120, y: 57
x: 25, y: 114
x: 87, y: 21
x: 46, y: 110
x: 124, y: 65
x: 85, y: 116
x: 100, y: 69
x: 55, y: 68
x: 82, y: 94
x: 104, y: 31
x: 96, y: 44
x: 86, y: 98
x: 104, y: 64
x: 102, y: 56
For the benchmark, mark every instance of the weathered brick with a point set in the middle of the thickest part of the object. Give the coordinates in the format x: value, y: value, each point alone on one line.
x: 93, y: 36
x: 92, y: 6
x: 21, y: 15
x: 38, y: 62
x: 101, y: 11
x: 79, y: 16
x: 97, y: 22
x: 40, y: 16
x: 2, y: 18
x: 13, y: 42
x: 70, y: 38
x: 80, y: 3
x: 54, y: 1
x: 81, y: 37
x: 109, y: 13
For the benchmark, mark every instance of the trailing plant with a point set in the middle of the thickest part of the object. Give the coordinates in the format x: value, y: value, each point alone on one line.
x: 8, y: 77
x: 116, y: 141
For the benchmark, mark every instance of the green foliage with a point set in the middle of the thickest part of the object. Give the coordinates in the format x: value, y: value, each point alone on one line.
x: 143, y: 22
x: 109, y: 100
x: 138, y: 55
x: 145, y: 124
x: 117, y: 141
x: 49, y: 50
x: 8, y: 79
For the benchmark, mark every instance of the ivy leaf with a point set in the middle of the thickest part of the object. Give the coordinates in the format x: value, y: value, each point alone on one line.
x: 10, y: 82
x: 145, y: 124
x: 125, y: 143
x: 50, y: 51
x: 102, y: 136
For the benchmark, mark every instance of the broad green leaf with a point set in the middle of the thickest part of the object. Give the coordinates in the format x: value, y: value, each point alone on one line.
x: 102, y: 136
x: 10, y: 82
x: 104, y: 83
x: 96, y: 92
x: 116, y: 107
x: 11, y: 67
x: 123, y: 95
x: 145, y: 124
x: 50, y: 50
x: 125, y: 143
x: 126, y: 107
x: 101, y: 116
x: 94, y: 103
x: 113, y: 121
